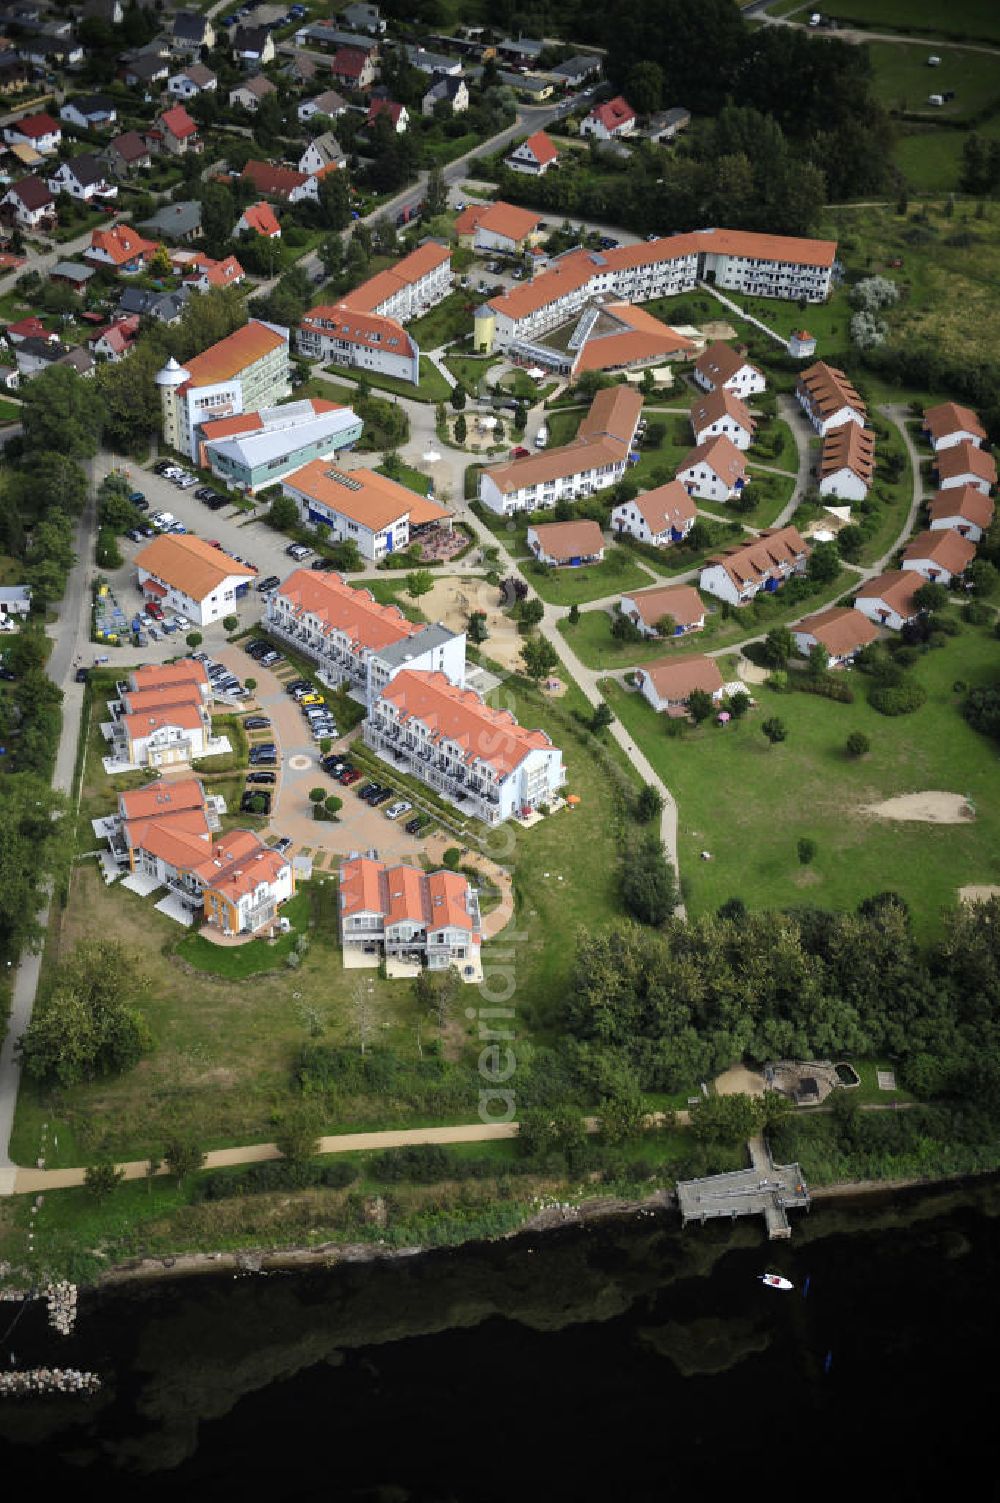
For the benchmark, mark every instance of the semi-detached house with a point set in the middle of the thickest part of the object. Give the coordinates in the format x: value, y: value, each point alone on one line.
x: 648, y: 609
x: 668, y: 683
x: 847, y: 462
x: 351, y: 637
x: 741, y: 573
x: 409, y: 914
x: 722, y: 414
x: 965, y: 464
x: 949, y: 424
x: 476, y: 757
x: 963, y: 508
x: 939, y: 556
x: 715, y: 470
x: 888, y: 599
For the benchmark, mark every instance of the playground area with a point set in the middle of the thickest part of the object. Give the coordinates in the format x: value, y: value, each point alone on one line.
x: 453, y: 601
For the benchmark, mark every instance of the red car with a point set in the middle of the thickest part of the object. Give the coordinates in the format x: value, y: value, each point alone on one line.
x: 347, y: 778
x: 152, y: 609
x: 213, y: 542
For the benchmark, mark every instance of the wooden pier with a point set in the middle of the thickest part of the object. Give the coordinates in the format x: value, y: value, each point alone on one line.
x: 764, y: 1189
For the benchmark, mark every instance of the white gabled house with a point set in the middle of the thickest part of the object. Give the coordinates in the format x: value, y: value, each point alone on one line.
x: 722, y: 414
x: 714, y: 471
x: 682, y: 604
x: 964, y: 509
x: 840, y: 629
x: 888, y: 599
x: 534, y: 156
x: 722, y: 365
x: 949, y: 424
x: 966, y: 464
x: 847, y: 463
x: 828, y: 398
x: 668, y: 683
x: 763, y: 564
x: 939, y: 556
x: 658, y: 517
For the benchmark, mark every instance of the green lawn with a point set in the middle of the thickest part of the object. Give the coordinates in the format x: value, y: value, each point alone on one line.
x: 391, y: 592
x: 903, y: 81
x: 748, y: 803
x: 406, y: 475
x: 449, y: 320
x: 237, y: 964
x: 432, y: 387
x: 773, y: 494
x: 590, y: 582
x: 972, y: 19
x: 10, y: 412
x: 470, y: 369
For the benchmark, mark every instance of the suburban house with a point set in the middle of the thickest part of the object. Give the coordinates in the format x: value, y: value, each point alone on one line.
x: 715, y: 470
x: 145, y: 70
x: 281, y: 183
x: 244, y: 372
x: 534, y: 156
x: 202, y: 273
x: 965, y: 464
x: 740, y: 573
x: 30, y: 204
x: 253, y: 46
x: 175, y: 221
x: 608, y: 121
x: 161, y: 716
x: 328, y: 103
x: 89, y: 111
x: 72, y: 274
x: 939, y: 556
x: 964, y: 508
x: 26, y: 328
x: 38, y: 131
x: 841, y: 630
x: 380, y: 515
x: 476, y: 757
x: 434, y: 63
x: 567, y: 545
x: 722, y: 365
x: 950, y: 424
x: 847, y: 463
x: 128, y: 153
x: 190, y: 33
x: 409, y: 914
x: 668, y: 683
x: 361, y: 17
x: 596, y: 459
x: 177, y: 132
x: 722, y: 414
x: 162, y: 307
x: 576, y: 70
x: 397, y: 114
x: 249, y: 94
x: 353, y: 68
x: 82, y: 178
x: 498, y: 227
x: 449, y: 90
x: 350, y: 636
x: 187, y: 575
x: 741, y: 261
x: 37, y: 354
x: 648, y: 609
x: 115, y: 340
x: 257, y: 449
x: 258, y: 219
x: 888, y: 599
x: 192, y: 80
x: 15, y: 604
x: 658, y: 517
x: 828, y: 398
x: 665, y: 125
x: 322, y: 153
x: 121, y: 249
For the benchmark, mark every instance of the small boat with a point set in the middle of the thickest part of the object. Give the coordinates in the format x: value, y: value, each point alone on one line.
x: 775, y: 1281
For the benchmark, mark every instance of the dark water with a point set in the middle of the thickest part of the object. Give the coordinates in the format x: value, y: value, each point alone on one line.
x: 625, y: 1360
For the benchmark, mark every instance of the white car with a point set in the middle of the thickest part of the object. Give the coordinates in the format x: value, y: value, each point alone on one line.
x: 181, y: 621
x: 397, y: 810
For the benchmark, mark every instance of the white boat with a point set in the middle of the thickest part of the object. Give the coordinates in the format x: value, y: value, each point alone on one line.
x: 775, y: 1281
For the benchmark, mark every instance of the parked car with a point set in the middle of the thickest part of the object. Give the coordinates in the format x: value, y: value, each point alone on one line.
x: 402, y: 806
x: 351, y: 776
x: 270, y: 658
x: 412, y: 826
x: 270, y: 583
x: 262, y: 777
x: 312, y: 698
x: 282, y: 845
x: 168, y: 627
x: 134, y: 535
x: 81, y: 674
x: 381, y: 797
x: 154, y: 610
x: 257, y: 723
x: 323, y: 563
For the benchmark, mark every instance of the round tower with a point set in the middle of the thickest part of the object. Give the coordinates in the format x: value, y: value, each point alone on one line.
x: 169, y: 380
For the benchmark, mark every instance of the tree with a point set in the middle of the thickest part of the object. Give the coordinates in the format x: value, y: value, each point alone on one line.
x: 539, y: 657
x: 824, y: 563
x: 807, y: 849
x: 930, y: 597
x: 532, y: 611
x: 297, y: 1138
x: 282, y: 514
x: 461, y: 429
x: 622, y: 1116
x: 779, y: 645
x: 648, y: 885
x: 649, y: 804
x: 333, y: 804
x: 317, y: 795
x: 102, y: 1178
x: 251, y: 684
x: 623, y: 628
x: 726, y: 1119
x: 418, y: 582
x: 182, y: 1157
x: 983, y: 576
x: 458, y: 397
x: 700, y: 705
x: 230, y: 623
x: 574, y: 614
x: 335, y: 205
x: 194, y: 640
x: 666, y: 626
x: 774, y: 729
x: 87, y: 1027
x: 819, y: 661
x: 436, y: 193
x: 857, y: 744
x: 62, y: 413
x: 478, y: 630
x: 739, y: 703
x: 542, y: 1130
x: 363, y: 1011
x: 601, y: 717
x: 644, y: 87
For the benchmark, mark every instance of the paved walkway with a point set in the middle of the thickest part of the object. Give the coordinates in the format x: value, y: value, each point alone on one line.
x: 759, y: 12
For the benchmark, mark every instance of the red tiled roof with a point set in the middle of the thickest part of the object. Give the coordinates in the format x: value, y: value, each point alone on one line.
x: 719, y: 363
x: 262, y: 218
x: 179, y: 123
x: 720, y: 403
x: 243, y: 348
x: 36, y: 126
x: 384, y: 107
x: 365, y: 622
x: 677, y: 678
x: 682, y: 602
x: 120, y: 244
x: 541, y: 148
x: 949, y: 417
x: 828, y: 389
x: 761, y: 558
x: 966, y: 459
x: 896, y: 588
x: 461, y: 717
x: 666, y: 506
x: 966, y: 502
x: 850, y: 447
x: 840, y: 629
x: 614, y: 114
x: 944, y: 547
x: 509, y: 220
x: 721, y: 456
x: 372, y: 330
x: 563, y: 541
x: 274, y: 182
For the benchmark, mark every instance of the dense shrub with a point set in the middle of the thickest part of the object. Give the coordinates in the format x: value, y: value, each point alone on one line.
x: 826, y: 688
x: 277, y: 1175
x: 897, y: 699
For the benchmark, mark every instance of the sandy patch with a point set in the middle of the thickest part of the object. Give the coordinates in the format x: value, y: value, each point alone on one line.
x: 453, y: 600
x: 752, y: 673
x: 717, y: 328
x: 979, y: 892
x: 927, y: 808
x: 739, y: 1081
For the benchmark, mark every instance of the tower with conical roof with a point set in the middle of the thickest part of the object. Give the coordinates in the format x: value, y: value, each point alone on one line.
x: 170, y: 379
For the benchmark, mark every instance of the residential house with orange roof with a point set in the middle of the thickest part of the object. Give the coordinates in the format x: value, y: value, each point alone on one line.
x: 161, y: 729
x: 258, y: 219
x: 595, y: 459
x: 352, y: 638
x: 965, y: 464
x: 715, y: 471
x: 722, y: 414
x: 476, y: 757
x: 668, y: 683
x: 245, y: 884
x: 939, y: 556
x: 121, y: 249
x: 498, y: 227
x: 534, y: 156
x: 888, y: 599
x: 244, y: 372
x: 202, y: 272
x: 949, y: 424
x: 338, y: 333
x: 258, y: 449
x: 283, y: 184
x: 659, y: 517
x: 726, y: 366
x: 185, y: 574
x: 739, y: 574
x: 842, y: 630
x: 607, y: 121
x: 828, y: 398
x: 847, y: 462
x: 177, y: 132
x: 409, y: 914
x: 409, y: 287
x: 567, y: 545
x: 963, y: 508
x: 378, y: 513
x: 649, y: 609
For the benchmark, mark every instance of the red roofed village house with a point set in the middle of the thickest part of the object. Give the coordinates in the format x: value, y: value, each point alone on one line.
x: 534, y: 156
x: 888, y: 599
x: 658, y: 517
x: 353, y: 68
x: 722, y: 366
x: 567, y: 545
x: 963, y: 508
x: 410, y: 914
x: 965, y: 464
x: 608, y: 121
x: 740, y: 573
x: 478, y: 758
x: 939, y: 556
x: 38, y: 131
x: 722, y: 414
x: 681, y: 604
x: 841, y: 630
x: 177, y: 132
x: 121, y: 248
x: 668, y: 683
x: 258, y: 219
x: 396, y: 114
x: 30, y: 204
x: 715, y: 471
x: 951, y: 424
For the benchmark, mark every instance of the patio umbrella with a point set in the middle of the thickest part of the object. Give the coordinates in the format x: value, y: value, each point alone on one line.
x: 724, y: 716
x: 432, y: 456
x: 572, y: 798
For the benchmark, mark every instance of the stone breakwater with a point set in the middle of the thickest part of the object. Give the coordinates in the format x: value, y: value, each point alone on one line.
x: 45, y: 1380
x: 61, y: 1300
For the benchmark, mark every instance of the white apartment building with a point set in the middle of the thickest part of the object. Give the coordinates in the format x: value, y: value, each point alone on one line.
x: 245, y: 372
x: 339, y: 334
x: 828, y: 398
x: 403, y: 912
x: 408, y: 288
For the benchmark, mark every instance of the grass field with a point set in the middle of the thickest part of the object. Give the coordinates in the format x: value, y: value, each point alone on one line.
x: 432, y: 388
x: 972, y: 19
x: 903, y: 81
x: 449, y: 320
x: 590, y: 582
x: 748, y: 803
x: 10, y: 412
